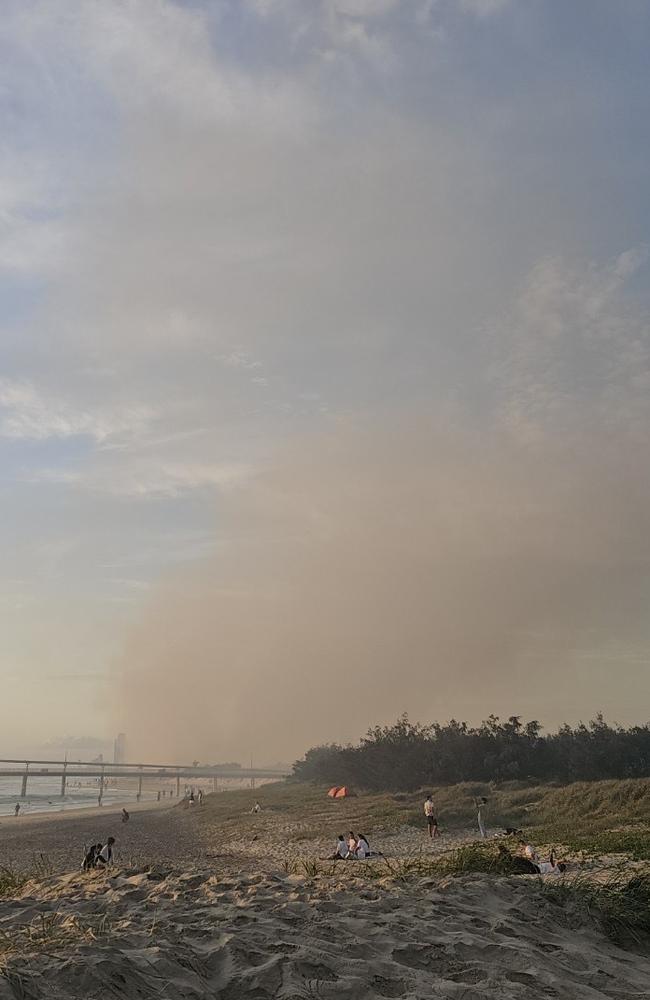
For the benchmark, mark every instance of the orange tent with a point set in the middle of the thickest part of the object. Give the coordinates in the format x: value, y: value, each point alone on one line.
x: 333, y: 792
x: 342, y: 793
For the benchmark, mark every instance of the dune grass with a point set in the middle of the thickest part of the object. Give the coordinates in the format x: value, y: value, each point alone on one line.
x: 619, y: 904
x: 596, y: 818
x: 13, y: 879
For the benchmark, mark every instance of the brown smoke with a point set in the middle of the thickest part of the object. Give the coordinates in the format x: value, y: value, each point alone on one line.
x: 377, y: 570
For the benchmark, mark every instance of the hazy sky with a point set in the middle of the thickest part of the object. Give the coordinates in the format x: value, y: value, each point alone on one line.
x: 325, y: 367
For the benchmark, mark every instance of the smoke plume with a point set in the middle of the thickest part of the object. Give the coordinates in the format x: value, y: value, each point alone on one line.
x: 377, y: 569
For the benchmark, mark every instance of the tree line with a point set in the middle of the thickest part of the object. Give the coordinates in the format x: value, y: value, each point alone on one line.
x: 406, y: 756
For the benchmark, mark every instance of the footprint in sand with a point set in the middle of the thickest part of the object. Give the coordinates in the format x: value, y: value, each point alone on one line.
x: 315, y: 970
x: 388, y: 987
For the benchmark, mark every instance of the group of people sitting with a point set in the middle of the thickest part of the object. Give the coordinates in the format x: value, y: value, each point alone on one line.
x: 353, y: 848
x: 99, y: 855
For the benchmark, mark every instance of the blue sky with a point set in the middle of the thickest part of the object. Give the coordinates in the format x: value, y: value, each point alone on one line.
x: 236, y: 235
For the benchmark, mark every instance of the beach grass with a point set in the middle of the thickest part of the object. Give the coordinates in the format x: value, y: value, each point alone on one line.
x: 12, y: 879
x: 619, y: 903
x: 594, y: 818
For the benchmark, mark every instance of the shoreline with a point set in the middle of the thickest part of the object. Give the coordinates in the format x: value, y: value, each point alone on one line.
x: 42, y: 817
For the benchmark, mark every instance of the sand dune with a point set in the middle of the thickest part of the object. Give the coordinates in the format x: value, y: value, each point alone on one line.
x: 197, y: 935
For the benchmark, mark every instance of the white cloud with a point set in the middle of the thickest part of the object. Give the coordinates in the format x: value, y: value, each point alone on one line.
x: 364, y: 8
x: 577, y: 360
x: 484, y: 8
x: 238, y: 359
x: 25, y: 412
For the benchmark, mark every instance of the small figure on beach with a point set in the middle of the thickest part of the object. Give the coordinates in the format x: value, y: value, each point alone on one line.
x: 106, y: 855
x: 527, y: 850
x: 200, y: 796
x: 256, y: 808
x: 341, y: 851
x: 90, y: 857
x: 125, y: 816
x: 526, y: 866
x: 480, y: 802
x: 551, y: 867
x: 191, y: 798
x: 363, y: 847
x: 17, y: 809
x: 352, y: 845
x: 430, y: 815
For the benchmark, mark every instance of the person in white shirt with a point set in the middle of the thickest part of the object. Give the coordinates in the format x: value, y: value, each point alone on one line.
x: 256, y: 808
x: 363, y: 847
x: 528, y: 851
x: 479, y: 803
x: 106, y: 856
x: 341, y: 850
x: 550, y: 867
x: 430, y: 816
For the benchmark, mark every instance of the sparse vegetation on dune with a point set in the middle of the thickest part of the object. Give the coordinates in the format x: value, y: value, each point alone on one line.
x: 619, y: 904
x: 597, y: 818
x: 12, y: 879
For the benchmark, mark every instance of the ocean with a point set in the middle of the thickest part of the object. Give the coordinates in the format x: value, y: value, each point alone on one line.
x: 44, y: 794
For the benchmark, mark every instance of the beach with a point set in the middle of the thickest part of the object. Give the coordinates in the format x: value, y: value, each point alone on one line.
x: 216, y: 901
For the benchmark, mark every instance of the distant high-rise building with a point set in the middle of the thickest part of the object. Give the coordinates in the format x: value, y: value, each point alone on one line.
x: 119, y: 749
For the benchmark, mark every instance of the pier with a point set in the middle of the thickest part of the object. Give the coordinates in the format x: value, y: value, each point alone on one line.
x: 23, y: 770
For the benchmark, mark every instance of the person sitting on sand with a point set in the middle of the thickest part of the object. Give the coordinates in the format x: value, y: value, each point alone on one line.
x: 352, y: 845
x: 106, y: 855
x: 528, y: 851
x: 363, y: 847
x: 256, y: 808
x: 90, y: 857
x: 341, y: 850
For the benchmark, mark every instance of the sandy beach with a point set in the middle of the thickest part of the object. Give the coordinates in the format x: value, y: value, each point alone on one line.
x: 199, y: 934
x: 214, y: 901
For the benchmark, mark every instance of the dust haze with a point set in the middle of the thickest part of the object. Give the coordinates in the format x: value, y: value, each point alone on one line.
x: 394, y: 566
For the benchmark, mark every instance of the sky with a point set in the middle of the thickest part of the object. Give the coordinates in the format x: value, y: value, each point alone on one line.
x: 324, y: 368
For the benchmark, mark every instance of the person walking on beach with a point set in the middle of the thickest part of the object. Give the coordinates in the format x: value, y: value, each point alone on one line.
x: 17, y: 809
x: 200, y: 796
x: 430, y: 816
x: 125, y: 816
